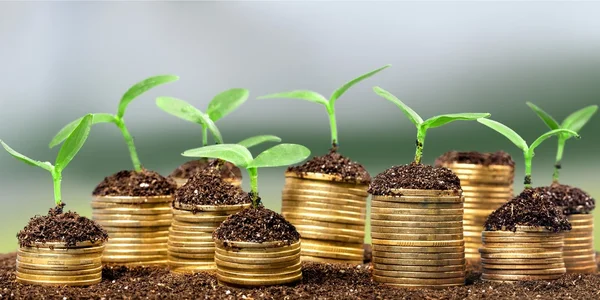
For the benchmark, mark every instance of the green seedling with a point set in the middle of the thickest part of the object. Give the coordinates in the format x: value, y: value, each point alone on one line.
x: 329, y: 104
x: 522, y: 144
x: 117, y: 119
x: 276, y: 156
x: 73, y: 142
x: 423, y: 126
x: 574, y: 122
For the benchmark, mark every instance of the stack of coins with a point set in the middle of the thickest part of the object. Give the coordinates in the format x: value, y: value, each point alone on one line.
x: 328, y: 214
x: 191, y: 247
x: 417, y: 239
x: 247, y: 264
x: 485, y: 188
x: 74, y: 266
x: 138, y: 228
x: 578, y: 252
x: 529, y: 253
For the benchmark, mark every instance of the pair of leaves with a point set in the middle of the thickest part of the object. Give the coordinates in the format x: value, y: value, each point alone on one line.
x: 574, y: 121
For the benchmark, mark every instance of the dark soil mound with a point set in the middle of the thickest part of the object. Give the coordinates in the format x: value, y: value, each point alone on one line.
x: 257, y: 225
x: 477, y: 158
x: 58, y: 226
x: 573, y: 200
x: 226, y: 170
x: 132, y: 183
x: 204, y: 189
x: 335, y: 164
x: 414, y: 176
x: 530, y: 208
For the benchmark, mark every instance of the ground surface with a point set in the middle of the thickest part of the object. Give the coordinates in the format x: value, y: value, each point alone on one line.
x: 320, y: 281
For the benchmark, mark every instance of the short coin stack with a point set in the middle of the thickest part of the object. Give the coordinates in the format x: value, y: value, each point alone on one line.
x: 578, y: 253
x: 191, y: 247
x: 529, y: 253
x: 249, y: 264
x: 74, y: 266
x: 417, y: 239
x: 328, y: 214
x: 138, y: 228
x: 485, y: 188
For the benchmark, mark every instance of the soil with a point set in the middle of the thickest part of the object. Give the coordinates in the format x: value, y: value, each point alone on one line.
x: 204, y: 189
x: 478, y: 158
x: 573, y: 200
x: 257, y: 225
x: 530, y: 208
x: 414, y: 176
x: 320, y: 281
x: 58, y: 226
x: 132, y: 183
x: 226, y: 170
x: 334, y: 163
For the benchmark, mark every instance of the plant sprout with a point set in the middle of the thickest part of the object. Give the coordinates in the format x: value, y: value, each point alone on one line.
x: 329, y: 104
x: 117, y: 119
x: 73, y: 142
x: 423, y: 126
x: 276, y: 156
x: 522, y: 144
x: 574, y: 122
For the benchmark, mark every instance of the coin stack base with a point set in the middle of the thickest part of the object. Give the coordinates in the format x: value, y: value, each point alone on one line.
x: 191, y: 248
x: 246, y: 264
x: 328, y: 214
x: 529, y: 253
x: 138, y: 228
x: 80, y: 265
x: 578, y: 252
x: 417, y: 239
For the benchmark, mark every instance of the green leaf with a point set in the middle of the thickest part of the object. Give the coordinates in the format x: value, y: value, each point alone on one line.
x: 280, y: 155
x: 68, y: 129
x: 73, y: 143
x: 259, y: 139
x: 44, y: 165
x: 551, y: 133
x: 411, y: 114
x: 226, y: 102
x: 140, y: 88
x: 578, y: 119
x: 507, y: 132
x: 547, y: 118
x: 299, y: 94
x: 440, y: 120
x: 337, y: 93
x: 233, y: 153
x: 186, y: 111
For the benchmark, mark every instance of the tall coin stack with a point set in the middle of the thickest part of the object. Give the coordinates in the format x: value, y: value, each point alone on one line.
x: 417, y: 238
x: 138, y: 228
x: 578, y: 253
x: 529, y: 253
x: 328, y: 214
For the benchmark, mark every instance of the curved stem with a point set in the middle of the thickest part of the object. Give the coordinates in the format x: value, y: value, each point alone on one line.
x: 559, y: 154
x: 528, y: 159
x: 332, y: 125
x: 129, y: 141
x: 57, y: 179
x: 204, y: 136
x: 253, y: 172
x: 421, y: 133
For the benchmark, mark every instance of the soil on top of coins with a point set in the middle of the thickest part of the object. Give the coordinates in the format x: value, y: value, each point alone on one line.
x: 478, y: 158
x: 204, y: 189
x: 334, y: 163
x: 136, y: 184
x: 572, y: 200
x: 58, y: 226
x: 530, y: 208
x: 319, y: 281
x: 225, y: 170
x: 257, y: 225
x: 413, y: 176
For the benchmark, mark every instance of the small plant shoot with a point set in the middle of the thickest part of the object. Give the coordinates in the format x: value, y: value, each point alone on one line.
x: 117, y: 119
x: 573, y: 122
x: 320, y: 99
x: 522, y: 144
x: 73, y: 143
x: 423, y: 126
x: 276, y: 156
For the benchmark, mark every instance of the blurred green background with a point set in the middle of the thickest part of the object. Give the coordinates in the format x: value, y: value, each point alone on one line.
x: 62, y: 60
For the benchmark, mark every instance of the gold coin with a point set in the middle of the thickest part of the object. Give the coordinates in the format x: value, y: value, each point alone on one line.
x: 195, y: 229
x: 408, y: 230
x: 259, y: 281
x: 97, y: 205
x: 522, y: 239
x: 415, y: 218
x: 417, y: 249
x: 325, y: 224
x: 47, y: 267
x: 76, y: 272
x: 133, y: 223
x: 418, y: 243
x: 190, y: 239
x: 405, y: 280
x: 245, y: 266
x: 60, y: 282
x: 326, y: 260
x: 128, y: 218
x: 317, y: 195
x: 328, y: 231
x: 415, y: 224
x: 326, y: 218
x: 581, y: 263
x: 416, y: 237
x: 133, y: 258
x: 272, y: 274
x: 569, y: 259
x: 578, y: 252
x: 568, y: 247
x: 56, y: 278
x: 418, y: 262
x: 149, y: 263
x: 336, y: 255
x: 521, y: 255
x: 291, y: 205
x: 256, y: 260
x: 285, y: 253
x: 548, y: 271
x: 209, y: 256
x: 191, y: 265
x: 184, y: 261
x: 204, y: 243
x: 332, y: 237
x: 58, y: 256
x: 519, y: 277
x: 292, y: 201
x: 448, y: 268
x: 199, y: 218
x: 382, y: 254
x: 134, y: 252
x: 117, y: 210
x: 62, y: 251
x: 521, y: 261
x: 162, y: 233
x: 556, y: 245
x: 58, y: 261
x: 435, y: 212
x: 142, y: 241
x: 592, y: 268
x: 424, y: 275
x: 357, y: 251
x: 141, y: 247
x: 263, y: 272
x: 519, y: 250
x: 133, y: 200
x: 522, y: 267
x: 414, y: 205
